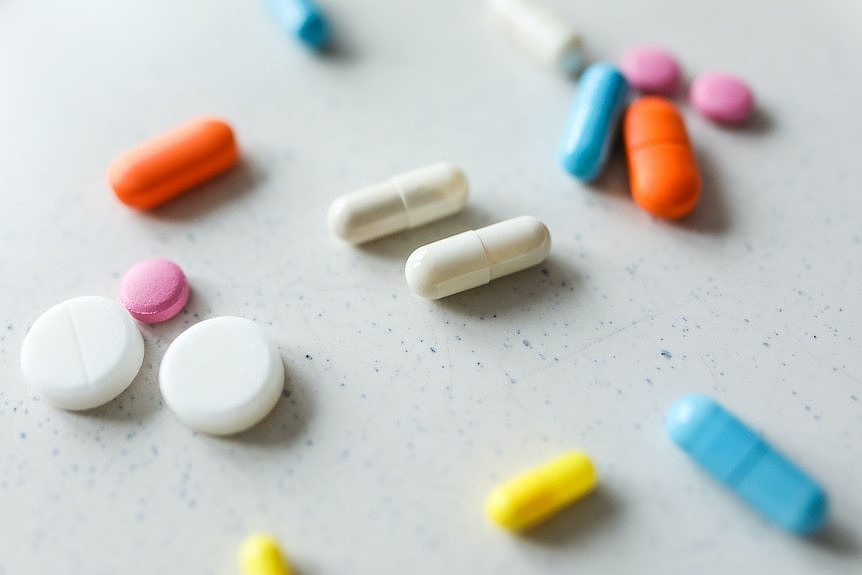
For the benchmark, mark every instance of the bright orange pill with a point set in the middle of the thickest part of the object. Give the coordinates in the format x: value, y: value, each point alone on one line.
x: 173, y: 163
x: 663, y: 172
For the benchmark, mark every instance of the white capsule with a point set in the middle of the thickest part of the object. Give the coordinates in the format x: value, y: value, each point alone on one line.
x: 539, y: 32
x: 474, y: 258
x: 400, y: 203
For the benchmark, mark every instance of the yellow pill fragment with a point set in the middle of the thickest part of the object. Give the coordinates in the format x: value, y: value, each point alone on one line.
x: 537, y: 494
x: 260, y: 555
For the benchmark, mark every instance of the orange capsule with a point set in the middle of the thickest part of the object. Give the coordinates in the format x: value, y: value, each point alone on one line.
x: 663, y: 171
x: 173, y: 163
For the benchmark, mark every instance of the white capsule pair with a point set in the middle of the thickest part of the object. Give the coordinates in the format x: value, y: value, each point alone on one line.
x: 451, y: 265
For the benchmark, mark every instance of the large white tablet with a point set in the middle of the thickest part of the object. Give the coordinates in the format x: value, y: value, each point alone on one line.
x: 82, y: 353
x: 222, y: 375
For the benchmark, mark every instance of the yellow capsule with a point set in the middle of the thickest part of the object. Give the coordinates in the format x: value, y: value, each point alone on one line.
x: 259, y: 555
x: 539, y: 493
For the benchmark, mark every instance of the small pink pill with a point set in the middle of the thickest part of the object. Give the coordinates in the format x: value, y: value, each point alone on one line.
x: 154, y: 290
x: 651, y: 70
x: 722, y: 98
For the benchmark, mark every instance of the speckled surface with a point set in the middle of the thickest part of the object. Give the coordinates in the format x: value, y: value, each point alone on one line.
x: 400, y: 414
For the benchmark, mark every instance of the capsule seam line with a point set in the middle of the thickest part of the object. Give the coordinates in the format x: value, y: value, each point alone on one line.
x: 397, y: 185
x: 484, y: 254
x: 661, y: 141
x: 751, y: 458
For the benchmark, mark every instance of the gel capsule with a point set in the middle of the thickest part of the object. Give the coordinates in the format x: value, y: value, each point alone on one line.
x: 539, y: 493
x: 400, y: 203
x: 474, y: 258
x: 304, y: 20
x: 663, y: 172
x: 736, y: 456
x: 173, y: 163
x: 599, y: 102
x: 539, y: 32
x: 260, y: 555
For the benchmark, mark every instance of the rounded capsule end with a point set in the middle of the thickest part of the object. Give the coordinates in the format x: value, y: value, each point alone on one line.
x: 314, y: 32
x: 685, y: 417
x: 341, y: 219
x: 814, y: 516
x: 421, y: 274
x: 458, y: 186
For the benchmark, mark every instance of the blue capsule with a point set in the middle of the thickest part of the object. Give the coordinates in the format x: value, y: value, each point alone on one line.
x: 599, y: 103
x: 735, y: 455
x: 304, y: 20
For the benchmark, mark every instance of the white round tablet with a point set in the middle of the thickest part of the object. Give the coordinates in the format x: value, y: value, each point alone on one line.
x: 82, y: 353
x: 222, y: 375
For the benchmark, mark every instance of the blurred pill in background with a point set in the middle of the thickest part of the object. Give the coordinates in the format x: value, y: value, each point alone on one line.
x: 601, y: 97
x: 546, y: 36
x: 652, y: 70
x: 722, y: 98
x: 304, y: 20
x: 260, y: 554
x: 739, y: 458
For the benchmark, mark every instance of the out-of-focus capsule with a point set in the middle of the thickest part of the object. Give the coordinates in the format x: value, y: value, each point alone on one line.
x: 663, y: 173
x: 259, y: 555
x: 173, y: 163
x: 601, y: 97
x: 303, y: 19
x: 474, y: 258
x: 539, y: 32
x: 736, y: 456
x: 400, y: 203
x: 541, y: 492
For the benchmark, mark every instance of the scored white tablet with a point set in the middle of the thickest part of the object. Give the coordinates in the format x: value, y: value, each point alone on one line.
x: 82, y: 353
x: 222, y: 375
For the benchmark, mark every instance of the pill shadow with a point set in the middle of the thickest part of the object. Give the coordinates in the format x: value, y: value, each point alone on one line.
x: 141, y: 399
x: 838, y: 539
x: 546, y: 284
x: 760, y: 122
x: 399, y: 246
x: 577, y: 523
x: 229, y: 187
x: 614, y: 180
x: 287, y: 420
x: 340, y: 49
x: 711, y: 215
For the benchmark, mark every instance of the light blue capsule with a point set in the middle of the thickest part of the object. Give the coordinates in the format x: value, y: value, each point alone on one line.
x: 735, y: 455
x: 601, y: 97
x: 304, y: 20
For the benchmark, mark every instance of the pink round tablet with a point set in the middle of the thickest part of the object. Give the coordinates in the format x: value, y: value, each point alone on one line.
x: 722, y: 98
x: 154, y: 290
x: 652, y: 70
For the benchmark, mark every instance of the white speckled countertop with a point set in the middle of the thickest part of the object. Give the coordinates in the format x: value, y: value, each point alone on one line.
x: 400, y: 414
